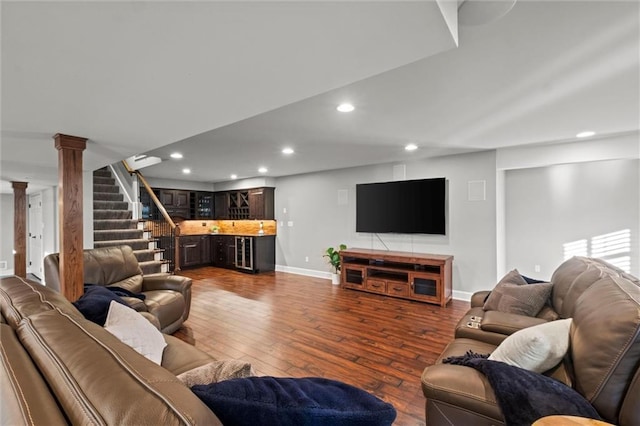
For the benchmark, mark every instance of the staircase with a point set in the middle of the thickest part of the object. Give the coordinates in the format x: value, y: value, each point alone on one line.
x: 113, y: 224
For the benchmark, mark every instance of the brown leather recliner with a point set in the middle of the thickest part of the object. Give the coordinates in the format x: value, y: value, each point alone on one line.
x: 602, y: 364
x: 167, y: 297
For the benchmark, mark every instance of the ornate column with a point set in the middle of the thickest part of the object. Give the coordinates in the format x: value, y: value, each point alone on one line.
x: 20, y: 228
x: 70, y: 213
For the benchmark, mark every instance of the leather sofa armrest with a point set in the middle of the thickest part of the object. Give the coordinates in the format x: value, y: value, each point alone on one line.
x: 478, y: 298
x: 166, y: 282
x: 465, y: 387
x: 134, y: 303
x: 506, y: 323
x: 170, y: 282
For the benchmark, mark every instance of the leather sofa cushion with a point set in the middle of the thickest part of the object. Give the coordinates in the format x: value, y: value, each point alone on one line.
x: 605, y: 343
x: 22, y: 298
x: 179, y: 357
x: 570, y: 280
x: 26, y: 399
x: 506, y: 323
x: 112, y: 265
x: 99, y: 380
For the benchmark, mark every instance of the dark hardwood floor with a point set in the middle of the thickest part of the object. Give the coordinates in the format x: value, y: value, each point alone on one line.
x: 297, y: 326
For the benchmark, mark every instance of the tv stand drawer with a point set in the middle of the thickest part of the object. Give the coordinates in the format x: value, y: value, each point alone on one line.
x: 398, y: 289
x: 377, y: 286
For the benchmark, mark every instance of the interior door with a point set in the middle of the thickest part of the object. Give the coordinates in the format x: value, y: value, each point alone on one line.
x: 36, y: 226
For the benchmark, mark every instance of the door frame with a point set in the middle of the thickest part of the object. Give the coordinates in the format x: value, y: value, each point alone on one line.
x: 35, y: 241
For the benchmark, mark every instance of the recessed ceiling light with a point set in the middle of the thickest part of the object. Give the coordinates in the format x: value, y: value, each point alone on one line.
x: 186, y: 171
x: 287, y: 151
x: 234, y: 176
x: 346, y: 107
x: 263, y: 170
x: 411, y: 147
x: 585, y: 134
x: 176, y: 155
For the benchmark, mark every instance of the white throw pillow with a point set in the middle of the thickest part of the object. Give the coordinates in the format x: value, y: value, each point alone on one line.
x: 538, y: 348
x: 134, y: 330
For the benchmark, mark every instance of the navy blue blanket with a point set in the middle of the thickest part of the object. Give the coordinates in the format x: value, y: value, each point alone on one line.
x: 525, y: 396
x: 94, y: 303
x: 306, y: 401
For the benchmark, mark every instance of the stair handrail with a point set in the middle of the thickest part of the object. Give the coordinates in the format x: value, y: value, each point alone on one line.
x: 175, y: 228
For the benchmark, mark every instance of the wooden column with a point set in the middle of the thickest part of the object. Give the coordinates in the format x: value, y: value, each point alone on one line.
x: 20, y: 228
x: 70, y: 212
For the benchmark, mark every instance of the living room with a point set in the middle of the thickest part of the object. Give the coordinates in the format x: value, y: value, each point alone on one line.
x: 527, y: 206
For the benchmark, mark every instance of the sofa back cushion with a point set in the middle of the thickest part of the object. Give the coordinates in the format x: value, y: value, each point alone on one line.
x: 22, y: 298
x: 26, y: 399
x: 113, y: 266
x: 99, y: 380
x: 102, y: 266
x: 605, y: 343
x: 570, y: 280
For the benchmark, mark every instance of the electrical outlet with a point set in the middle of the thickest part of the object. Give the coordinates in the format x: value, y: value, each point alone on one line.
x: 536, y: 268
x: 290, y: 223
x: 284, y: 210
x: 306, y: 258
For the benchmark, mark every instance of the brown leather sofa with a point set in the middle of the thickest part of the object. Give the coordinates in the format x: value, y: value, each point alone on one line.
x: 57, y: 368
x: 602, y: 364
x: 167, y: 297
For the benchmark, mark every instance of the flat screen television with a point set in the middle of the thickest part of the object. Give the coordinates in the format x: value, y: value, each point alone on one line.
x: 403, y: 207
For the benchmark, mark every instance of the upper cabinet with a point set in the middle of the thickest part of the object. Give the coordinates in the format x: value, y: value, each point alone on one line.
x: 261, y: 203
x: 254, y: 203
x: 177, y: 202
x: 221, y: 205
x: 245, y: 204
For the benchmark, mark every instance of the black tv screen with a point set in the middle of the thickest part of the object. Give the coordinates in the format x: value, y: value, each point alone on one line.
x: 403, y: 207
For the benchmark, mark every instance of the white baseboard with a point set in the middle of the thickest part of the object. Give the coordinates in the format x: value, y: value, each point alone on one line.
x: 462, y: 295
x: 457, y: 294
x: 301, y: 271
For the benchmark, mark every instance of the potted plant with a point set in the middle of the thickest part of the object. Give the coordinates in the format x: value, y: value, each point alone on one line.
x: 333, y: 257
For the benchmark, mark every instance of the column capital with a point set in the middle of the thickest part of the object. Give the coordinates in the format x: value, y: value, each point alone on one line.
x: 19, y: 185
x: 63, y: 141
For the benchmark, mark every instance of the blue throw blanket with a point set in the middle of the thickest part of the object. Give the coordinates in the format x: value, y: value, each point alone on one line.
x: 94, y: 303
x: 288, y: 401
x: 525, y: 396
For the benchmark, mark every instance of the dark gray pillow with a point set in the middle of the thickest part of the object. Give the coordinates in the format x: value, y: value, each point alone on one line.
x: 512, y: 295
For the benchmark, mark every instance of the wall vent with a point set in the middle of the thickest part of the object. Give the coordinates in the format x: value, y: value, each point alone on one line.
x: 477, y: 190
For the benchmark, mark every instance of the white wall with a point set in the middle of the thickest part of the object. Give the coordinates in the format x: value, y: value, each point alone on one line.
x: 547, y: 207
x: 6, y: 239
x: 319, y: 220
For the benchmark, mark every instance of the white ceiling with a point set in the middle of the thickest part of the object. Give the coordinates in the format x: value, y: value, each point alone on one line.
x: 230, y: 84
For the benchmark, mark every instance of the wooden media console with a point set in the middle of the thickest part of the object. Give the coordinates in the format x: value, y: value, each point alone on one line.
x: 416, y: 276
